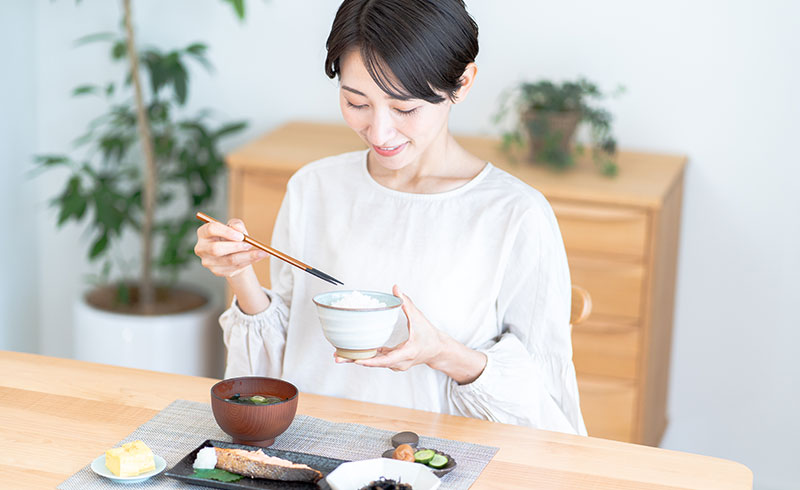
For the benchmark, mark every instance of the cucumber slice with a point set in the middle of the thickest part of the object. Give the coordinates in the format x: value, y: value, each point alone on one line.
x: 424, y: 456
x: 438, y: 461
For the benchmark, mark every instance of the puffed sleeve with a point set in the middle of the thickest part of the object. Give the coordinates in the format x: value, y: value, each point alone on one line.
x: 256, y: 343
x: 529, y: 378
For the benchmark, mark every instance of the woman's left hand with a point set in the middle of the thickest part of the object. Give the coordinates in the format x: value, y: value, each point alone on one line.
x: 424, y: 343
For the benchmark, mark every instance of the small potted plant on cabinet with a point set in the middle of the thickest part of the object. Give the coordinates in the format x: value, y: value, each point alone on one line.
x: 546, y: 116
x: 143, y: 167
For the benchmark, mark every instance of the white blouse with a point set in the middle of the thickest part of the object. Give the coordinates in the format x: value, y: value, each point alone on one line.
x: 484, y: 262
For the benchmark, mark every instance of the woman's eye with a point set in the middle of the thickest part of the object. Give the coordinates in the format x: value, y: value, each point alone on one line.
x: 350, y: 104
x: 408, y: 112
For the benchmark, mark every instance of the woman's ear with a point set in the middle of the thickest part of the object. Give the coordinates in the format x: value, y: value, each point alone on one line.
x: 466, y: 80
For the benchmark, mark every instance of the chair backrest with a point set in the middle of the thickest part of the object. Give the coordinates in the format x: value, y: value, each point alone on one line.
x: 581, y: 305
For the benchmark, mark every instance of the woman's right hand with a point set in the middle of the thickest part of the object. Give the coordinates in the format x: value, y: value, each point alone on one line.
x: 222, y: 249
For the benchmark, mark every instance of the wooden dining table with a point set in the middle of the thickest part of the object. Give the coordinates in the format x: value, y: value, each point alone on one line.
x: 56, y: 415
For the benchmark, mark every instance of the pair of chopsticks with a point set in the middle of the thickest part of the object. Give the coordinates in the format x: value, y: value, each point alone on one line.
x: 275, y: 253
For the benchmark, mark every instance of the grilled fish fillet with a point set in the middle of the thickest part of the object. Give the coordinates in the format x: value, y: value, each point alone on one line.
x: 256, y: 464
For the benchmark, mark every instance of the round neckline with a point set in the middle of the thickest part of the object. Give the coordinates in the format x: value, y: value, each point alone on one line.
x: 420, y: 196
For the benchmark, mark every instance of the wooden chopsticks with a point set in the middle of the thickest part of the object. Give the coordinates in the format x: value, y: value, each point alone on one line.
x: 325, y: 277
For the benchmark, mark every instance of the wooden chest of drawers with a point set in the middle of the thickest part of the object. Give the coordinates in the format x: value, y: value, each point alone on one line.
x: 621, y: 236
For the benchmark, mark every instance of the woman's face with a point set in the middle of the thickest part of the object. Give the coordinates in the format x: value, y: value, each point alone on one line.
x: 398, y: 132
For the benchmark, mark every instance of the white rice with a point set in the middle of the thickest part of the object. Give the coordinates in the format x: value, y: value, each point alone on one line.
x: 356, y: 300
x: 206, y: 459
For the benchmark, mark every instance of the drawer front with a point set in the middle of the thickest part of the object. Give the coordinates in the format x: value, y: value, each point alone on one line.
x: 606, y: 349
x: 602, y: 229
x: 609, y: 407
x: 614, y: 285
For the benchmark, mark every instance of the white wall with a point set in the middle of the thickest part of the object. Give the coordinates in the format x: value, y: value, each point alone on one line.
x: 18, y: 245
x: 713, y: 80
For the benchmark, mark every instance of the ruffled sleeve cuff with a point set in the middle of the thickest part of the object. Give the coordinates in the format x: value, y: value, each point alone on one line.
x: 516, y: 389
x: 255, y: 343
x: 268, y: 318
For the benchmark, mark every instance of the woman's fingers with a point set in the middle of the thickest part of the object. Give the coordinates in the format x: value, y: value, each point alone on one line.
x: 340, y: 360
x: 398, y: 358
x: 230, y: 265
x: 237, y: 225
x: 408, y: 306
x: 218, y: 230
x: 222, y: 249
x: 423, y: 342
x: 216, y: 248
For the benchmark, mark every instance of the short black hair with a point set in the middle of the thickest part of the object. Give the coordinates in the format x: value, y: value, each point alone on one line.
x: 411, y: 48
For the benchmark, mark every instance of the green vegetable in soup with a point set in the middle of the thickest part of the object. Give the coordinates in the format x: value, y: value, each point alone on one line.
x: 254, y: 399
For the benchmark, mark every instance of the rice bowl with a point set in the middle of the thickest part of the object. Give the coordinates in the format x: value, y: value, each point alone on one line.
x: 357, y: 323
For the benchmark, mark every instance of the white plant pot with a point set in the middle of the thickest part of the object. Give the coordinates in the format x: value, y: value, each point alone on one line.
x: 183, y: 343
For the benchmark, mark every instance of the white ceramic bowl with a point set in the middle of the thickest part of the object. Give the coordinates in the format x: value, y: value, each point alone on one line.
x: 357, y: 332
x: 356, y: 474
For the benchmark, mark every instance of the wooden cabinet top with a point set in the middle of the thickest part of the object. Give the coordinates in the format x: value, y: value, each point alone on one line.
x: 644, y: 178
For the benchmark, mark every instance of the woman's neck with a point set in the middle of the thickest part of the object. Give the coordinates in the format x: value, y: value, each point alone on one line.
x: 444, y: 166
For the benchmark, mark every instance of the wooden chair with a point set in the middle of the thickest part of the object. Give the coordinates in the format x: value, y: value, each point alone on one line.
x: 581, y: 305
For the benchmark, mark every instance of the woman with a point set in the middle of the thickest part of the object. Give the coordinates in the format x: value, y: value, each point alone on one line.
x: 478, y: 250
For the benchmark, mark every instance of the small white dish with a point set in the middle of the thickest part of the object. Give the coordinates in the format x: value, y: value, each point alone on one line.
x: 99, y: 467
x: 357, y: 474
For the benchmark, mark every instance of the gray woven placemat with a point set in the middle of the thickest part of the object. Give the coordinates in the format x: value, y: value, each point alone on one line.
x: 183, y: 425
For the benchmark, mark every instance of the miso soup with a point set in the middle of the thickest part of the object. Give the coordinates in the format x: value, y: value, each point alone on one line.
x: 255, y: 399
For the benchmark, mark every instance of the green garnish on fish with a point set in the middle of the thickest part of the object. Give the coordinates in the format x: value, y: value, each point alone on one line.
x: 217, y: 474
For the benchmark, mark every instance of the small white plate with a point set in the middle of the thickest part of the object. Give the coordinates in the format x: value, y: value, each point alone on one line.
x: 99, y: 467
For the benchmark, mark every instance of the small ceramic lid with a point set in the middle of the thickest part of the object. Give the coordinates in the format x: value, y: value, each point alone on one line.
x: 406, y: 437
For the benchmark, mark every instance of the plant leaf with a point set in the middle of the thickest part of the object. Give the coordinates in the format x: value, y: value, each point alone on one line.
x: 197, y: 49
x: 119, y: 50
x: 198, y: 52
x: 72, y: 201
x: 98, y: 247
x: 51, y: 160
x: 85, y: 89
x: 91, y: 38
x: 180, y: 81
x: 238, y: 7
x: 230, y: 128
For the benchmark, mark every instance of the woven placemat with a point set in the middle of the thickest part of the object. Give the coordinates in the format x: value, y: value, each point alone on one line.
x: 183, y: 425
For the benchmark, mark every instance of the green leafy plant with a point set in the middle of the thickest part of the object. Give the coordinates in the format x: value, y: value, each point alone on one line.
x: 545, y: 117
x: 143, y: 165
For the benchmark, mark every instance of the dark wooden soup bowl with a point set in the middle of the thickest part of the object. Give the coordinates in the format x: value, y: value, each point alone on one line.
x: 255, y: 425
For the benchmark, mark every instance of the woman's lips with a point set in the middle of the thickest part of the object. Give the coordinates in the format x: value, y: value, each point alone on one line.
x: 389, y: 151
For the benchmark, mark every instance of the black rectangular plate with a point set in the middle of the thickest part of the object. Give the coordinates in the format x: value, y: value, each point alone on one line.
x: 184, y: 471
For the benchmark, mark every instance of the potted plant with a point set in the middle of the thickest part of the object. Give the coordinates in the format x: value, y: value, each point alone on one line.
x: 143, y: 167
x: 546, y: 115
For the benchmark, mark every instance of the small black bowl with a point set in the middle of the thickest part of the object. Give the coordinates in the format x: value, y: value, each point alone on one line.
x: 451, y: 463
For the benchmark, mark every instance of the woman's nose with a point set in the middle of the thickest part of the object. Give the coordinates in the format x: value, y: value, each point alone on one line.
x: 381, y: 130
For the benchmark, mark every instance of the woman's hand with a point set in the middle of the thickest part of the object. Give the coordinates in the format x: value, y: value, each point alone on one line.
x: 427, y: 345
x: 422, y: 347
x: 223, y: 250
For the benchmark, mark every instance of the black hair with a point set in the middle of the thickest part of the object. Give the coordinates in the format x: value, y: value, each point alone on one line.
x: 411, y: 48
